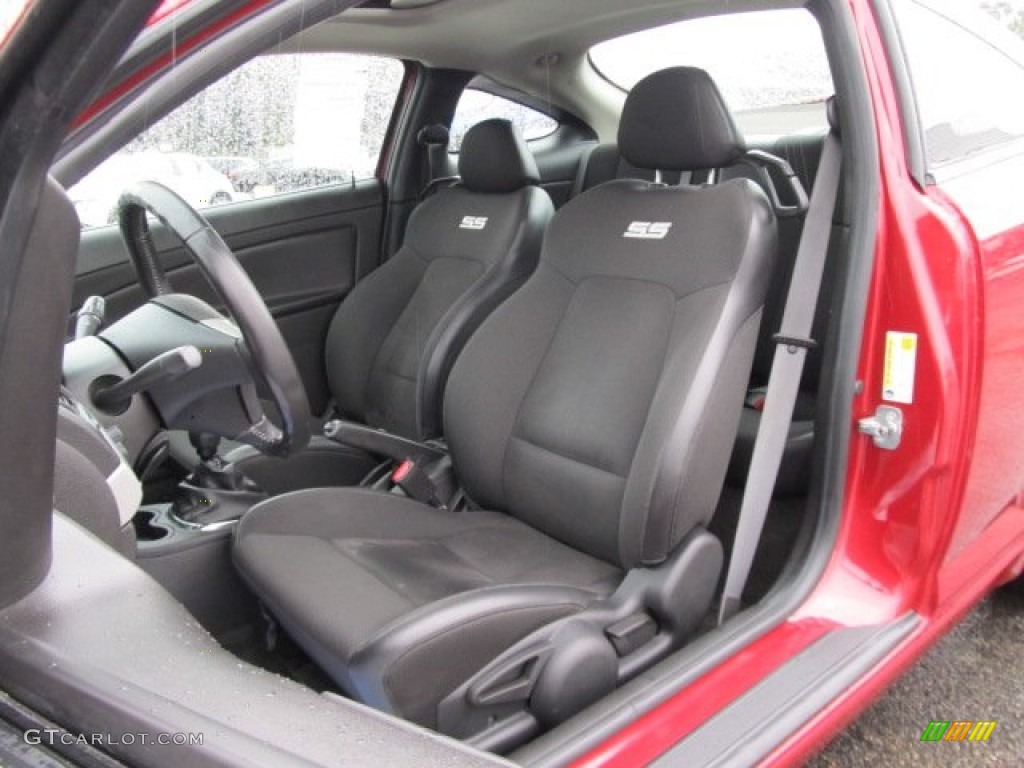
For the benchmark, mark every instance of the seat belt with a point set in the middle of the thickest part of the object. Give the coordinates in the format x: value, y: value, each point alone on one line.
x: 434, y: 139
x: 581, y: 171
x: 792, y: 344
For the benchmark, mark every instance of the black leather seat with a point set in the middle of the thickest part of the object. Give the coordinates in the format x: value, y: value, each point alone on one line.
x: 591, y: 419
x: 395, y: 337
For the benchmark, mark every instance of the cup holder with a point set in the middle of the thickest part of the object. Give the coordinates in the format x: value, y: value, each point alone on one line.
x: 145, y: 530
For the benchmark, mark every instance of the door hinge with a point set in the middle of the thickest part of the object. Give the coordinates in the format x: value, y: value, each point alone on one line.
x: 885, y: 428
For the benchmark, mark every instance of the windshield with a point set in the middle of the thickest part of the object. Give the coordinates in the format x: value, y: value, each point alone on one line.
x: 770, y: 65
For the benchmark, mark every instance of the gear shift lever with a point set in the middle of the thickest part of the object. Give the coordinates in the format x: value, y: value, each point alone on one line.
x: 215, y: 490
x: 212, y: 472
x: 206, y: 445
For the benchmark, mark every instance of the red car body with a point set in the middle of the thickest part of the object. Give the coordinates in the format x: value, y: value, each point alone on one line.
x: 931, y: 528
x: 935, y: 526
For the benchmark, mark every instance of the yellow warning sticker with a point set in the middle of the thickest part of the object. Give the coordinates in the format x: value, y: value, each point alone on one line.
x: 900, y: 367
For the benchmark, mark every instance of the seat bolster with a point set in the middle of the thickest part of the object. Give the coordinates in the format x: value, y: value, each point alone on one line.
x: 502, y: 278
x: 418, y: 659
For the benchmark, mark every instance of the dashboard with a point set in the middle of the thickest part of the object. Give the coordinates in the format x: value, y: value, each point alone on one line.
x: 89, y: 359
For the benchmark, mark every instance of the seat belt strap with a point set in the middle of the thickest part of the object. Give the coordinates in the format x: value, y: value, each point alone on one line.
x: 581, y: 171
x: 434, y: 140
x: 792, y: 344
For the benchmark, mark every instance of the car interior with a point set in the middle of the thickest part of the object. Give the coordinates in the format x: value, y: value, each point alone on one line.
x: 465, y: 441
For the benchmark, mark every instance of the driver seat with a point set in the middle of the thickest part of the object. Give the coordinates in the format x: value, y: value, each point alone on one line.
x: 393, y: 340
x: 590, y: 420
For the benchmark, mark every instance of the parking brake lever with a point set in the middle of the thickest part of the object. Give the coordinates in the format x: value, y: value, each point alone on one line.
x: 381, y: 443
x: 115, y: 397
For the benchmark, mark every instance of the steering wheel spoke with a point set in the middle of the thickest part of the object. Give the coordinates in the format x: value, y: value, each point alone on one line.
x: 268, y: 355
x: 264, y: 436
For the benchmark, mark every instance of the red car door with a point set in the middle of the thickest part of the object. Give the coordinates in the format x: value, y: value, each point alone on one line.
x: 973, y: 122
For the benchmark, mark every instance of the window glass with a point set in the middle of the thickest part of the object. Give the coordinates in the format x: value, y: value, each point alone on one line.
x: 279, y: 123
x: 770, y: 65
x: 476, y: 106
x: 11, y: 12
x: 968, y: 77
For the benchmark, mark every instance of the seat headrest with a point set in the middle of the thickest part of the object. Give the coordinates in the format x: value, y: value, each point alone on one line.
x: 676, y: 120
x: 494, y: 158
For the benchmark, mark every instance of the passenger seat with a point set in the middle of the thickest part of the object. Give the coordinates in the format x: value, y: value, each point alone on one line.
x: 604, y: 163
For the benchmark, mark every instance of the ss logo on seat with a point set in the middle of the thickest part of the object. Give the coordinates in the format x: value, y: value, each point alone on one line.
x: 473, y: 222
x: 648, y: 230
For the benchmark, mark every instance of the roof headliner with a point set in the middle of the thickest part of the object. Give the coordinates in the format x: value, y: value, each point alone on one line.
x: 510, y: 41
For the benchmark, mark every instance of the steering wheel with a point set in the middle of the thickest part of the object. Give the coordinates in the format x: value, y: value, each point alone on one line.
x: 268, y: 354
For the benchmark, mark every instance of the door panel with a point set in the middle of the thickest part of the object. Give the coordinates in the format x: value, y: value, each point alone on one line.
x: 973, y: 142
x: 304, y: 251
x: 995, y: 482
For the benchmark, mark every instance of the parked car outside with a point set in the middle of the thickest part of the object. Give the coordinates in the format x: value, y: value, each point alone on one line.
x: 195, y: 179
x: 234, y: 168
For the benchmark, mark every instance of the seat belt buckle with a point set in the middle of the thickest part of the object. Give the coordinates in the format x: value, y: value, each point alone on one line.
x: 755, y: 398
x: 415, y: 483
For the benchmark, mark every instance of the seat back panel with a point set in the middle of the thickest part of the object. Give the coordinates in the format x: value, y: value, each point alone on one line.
x: 612, y: 333
x: 588, y: 401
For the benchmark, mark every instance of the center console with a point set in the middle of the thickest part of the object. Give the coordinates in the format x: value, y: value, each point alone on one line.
x: 192, y: 560
x: 186, y: 543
